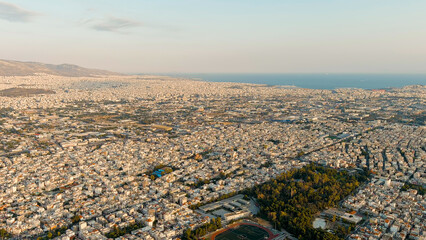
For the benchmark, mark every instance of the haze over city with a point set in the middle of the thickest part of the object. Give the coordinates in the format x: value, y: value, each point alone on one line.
x: 213, y: 120
x: 221, y: 36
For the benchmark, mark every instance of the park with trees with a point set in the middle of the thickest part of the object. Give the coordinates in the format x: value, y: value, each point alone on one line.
x: 291, y: 200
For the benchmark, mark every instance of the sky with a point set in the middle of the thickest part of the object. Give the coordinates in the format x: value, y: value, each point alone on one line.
x: 218, y: 36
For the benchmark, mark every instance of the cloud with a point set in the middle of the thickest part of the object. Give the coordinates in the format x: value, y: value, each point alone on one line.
x: 113, y: 24
x: 13, y: 13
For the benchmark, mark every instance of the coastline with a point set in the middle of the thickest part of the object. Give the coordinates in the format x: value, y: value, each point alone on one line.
x: 312, y: 81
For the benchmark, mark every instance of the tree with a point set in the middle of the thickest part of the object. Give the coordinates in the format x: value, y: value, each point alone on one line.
x: 187, y: 234
x: 212, y: 226
x: 4, y: 234
x: 117, y: 232
x: 219, y: 222
x: 75, y: 219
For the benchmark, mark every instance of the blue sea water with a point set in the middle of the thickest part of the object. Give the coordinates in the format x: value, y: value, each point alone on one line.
x: 317, y: 81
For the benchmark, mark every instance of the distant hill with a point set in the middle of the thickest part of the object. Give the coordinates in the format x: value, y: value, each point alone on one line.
x: 16, y: 68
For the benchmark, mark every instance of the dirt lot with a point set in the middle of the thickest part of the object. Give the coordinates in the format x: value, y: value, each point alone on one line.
x: 24, y: 92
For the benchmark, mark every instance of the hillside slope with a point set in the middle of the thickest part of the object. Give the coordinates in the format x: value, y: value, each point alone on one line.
x: 16, y: 68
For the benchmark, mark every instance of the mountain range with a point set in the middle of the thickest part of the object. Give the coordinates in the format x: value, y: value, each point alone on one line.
x: 17, y: 68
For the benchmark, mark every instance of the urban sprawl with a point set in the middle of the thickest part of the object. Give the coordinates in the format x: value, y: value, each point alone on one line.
x: 89, y: 155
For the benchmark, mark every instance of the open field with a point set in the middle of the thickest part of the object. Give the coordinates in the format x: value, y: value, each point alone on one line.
x: 24, y: 92
x: 245, y: 231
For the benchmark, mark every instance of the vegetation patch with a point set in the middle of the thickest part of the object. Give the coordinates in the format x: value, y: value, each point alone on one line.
x: 159, y: 171
x: 213, y: 225
x: 118, y: 232
x: 53, y: 233
x: 291, y: 200
x: 421, y: 190
x: 4, y: 234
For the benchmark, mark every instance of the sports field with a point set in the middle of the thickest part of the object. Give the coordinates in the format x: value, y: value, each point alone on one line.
x: 243, y: 232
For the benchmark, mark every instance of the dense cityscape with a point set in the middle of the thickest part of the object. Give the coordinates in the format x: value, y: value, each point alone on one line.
x: 139, y: 157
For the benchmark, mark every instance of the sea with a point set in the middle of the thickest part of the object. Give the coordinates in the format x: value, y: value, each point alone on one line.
x: 315, y: 81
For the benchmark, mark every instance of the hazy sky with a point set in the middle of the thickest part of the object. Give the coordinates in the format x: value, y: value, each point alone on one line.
x: 280, y: 36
